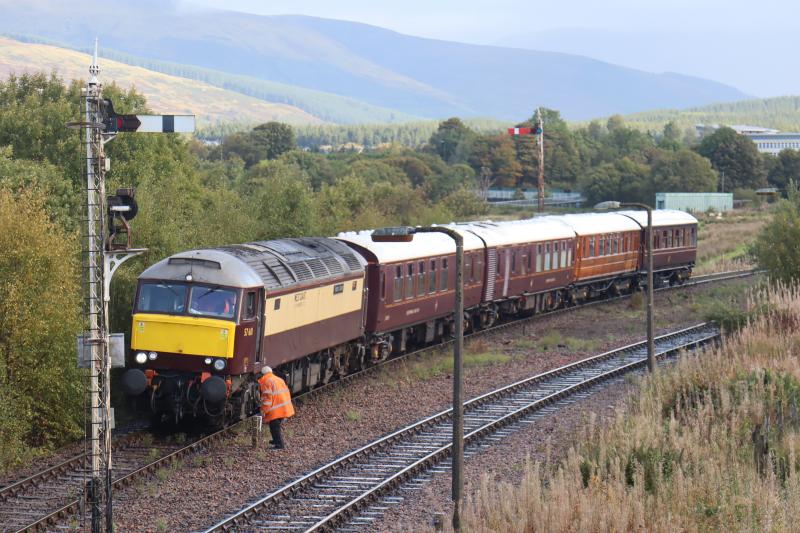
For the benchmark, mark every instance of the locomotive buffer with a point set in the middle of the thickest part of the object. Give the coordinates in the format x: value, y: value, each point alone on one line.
x: 108, y: 245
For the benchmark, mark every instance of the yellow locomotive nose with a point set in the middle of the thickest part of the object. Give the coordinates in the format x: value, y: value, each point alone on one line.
x: 208, y: 337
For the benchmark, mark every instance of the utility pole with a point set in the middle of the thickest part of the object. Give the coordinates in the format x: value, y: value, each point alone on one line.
x: 540, y: 132
x: 105, y: 222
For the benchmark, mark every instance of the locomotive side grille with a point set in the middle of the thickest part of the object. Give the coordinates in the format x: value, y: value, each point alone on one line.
x: 352, y: 262
x: 333, y: 264
x: 301, y: 270
x: 284, y: 275
x: 317, y: 267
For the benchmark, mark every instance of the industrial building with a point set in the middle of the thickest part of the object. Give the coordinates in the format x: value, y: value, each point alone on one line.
x: 767, y: 140
x: 695, y: 201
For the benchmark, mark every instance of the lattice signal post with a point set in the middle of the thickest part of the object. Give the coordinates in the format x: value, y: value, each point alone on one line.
x: 537, y: 130
x: 108, y: 245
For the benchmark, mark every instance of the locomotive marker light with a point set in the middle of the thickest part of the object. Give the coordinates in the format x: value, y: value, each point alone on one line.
x: 406, y: 234
x: 651, y: 356
x: 106, y: 221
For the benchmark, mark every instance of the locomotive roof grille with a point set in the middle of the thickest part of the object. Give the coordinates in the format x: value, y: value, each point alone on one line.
x: 275, y: 264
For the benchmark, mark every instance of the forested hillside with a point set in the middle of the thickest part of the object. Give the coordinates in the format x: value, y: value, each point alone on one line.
x: 782, y: 113
x: 170, y: 94
x: 281, y: 58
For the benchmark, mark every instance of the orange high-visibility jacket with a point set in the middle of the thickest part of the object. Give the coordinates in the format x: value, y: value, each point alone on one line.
x: 276, y: 401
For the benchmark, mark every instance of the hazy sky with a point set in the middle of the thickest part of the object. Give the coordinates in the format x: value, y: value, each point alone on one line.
x: 750, y: 44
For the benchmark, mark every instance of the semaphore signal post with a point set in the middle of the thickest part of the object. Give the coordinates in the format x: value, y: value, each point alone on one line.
x: 537, y: 130
x: 108, y: 245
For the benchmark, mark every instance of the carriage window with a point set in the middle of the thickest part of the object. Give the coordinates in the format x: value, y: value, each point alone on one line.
x: 569, y: 255
x: 563, y: 254
x: 538, y: 258
x: 615, y: 245
x: 472, y: 267
x: 556, y: 247
x: 591, y: 246
x: 398, y: 283
x: 601, y: 245
x: 432, y: 277
x: 443, y: 276
x: 250, y: 306
x: 694, y: 236
x: 383, y: 285
x: 514, y: 262
x: 410, y: 280
x: 678, y: 238
x: 607, y: 250
x: 547, y: 257
x: 421, y: 279
x: 530, y: 254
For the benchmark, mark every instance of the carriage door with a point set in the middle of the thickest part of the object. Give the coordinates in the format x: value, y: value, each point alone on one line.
x: 251, y: 323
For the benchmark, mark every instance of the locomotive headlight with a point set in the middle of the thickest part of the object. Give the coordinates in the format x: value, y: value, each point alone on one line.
x: 152, y: 356
x: 219, y: 364
x: 141, y: 358
x: 207, y: 360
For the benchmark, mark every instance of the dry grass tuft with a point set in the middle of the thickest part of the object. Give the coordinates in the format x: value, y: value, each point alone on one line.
x: 723, y: 243
x: 710, y: 444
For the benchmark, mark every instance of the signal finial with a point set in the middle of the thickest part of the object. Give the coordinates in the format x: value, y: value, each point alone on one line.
x: 94, y: 68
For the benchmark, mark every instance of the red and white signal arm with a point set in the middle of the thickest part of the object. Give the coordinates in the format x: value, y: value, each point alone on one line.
x: 519, y: 131
x: 150, y: 123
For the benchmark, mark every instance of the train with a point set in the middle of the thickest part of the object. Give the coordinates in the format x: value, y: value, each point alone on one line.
x: 206, y: 321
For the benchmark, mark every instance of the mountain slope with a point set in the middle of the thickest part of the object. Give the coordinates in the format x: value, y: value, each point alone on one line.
x: 781, y: 113
x: 418, y: 76
x: 165, y: 94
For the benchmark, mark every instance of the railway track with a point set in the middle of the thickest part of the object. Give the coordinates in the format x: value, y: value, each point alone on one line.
x: 330, y: 496
x: 52, y: 495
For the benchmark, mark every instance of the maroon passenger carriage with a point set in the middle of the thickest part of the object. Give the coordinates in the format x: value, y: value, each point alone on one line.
x: 508, y: 267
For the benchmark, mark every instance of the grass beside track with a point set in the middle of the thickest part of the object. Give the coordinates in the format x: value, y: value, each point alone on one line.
x: 707, y: 445
x: 723, y: 243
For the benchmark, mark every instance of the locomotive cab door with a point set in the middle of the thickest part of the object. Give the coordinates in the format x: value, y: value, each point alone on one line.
x: 252, y: 320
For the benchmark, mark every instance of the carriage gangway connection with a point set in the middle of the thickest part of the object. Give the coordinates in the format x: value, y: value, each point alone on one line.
x: 350, y: 493
x: 50, y: 496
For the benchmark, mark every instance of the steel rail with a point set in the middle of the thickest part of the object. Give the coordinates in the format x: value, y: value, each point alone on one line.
x: 704, y: 333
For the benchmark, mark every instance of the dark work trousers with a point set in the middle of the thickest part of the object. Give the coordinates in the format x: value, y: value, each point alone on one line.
x: 275, y: 430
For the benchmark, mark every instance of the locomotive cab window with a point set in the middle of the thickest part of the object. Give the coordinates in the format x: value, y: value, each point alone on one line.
x: 250, y: 306
x: 162, y: 298
x: 212, y: 301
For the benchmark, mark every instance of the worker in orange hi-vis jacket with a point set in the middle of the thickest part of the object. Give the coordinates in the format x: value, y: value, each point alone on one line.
x: 276, y: 404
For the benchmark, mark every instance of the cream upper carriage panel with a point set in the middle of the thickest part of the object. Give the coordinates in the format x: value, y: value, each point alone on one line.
x: 599, y: 223
x: 421, y: 246
x: 661, y: 217
x: 498, y: 234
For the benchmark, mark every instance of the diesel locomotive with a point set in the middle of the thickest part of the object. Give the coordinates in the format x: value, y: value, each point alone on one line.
x: 314, y: 309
